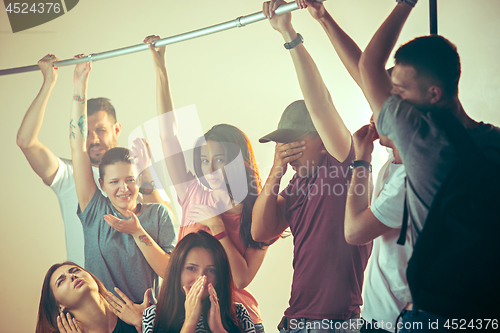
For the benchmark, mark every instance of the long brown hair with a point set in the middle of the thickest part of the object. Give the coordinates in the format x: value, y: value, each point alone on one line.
x: 170, y: 310
x: 48, y: 309
x: 235, y: 143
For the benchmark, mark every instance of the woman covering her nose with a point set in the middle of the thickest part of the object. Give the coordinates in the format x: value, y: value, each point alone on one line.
x: 197, y: 292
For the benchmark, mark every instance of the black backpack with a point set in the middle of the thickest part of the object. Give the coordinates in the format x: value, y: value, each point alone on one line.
x: 454, y: 271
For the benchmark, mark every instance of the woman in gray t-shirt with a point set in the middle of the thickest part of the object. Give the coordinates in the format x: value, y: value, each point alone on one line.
x: 127, y: 245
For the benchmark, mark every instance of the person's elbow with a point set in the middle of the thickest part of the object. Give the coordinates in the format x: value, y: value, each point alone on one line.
x: 353, y: 239
x: 257, y: 228
x: 351, y: 233
x: 350, y: 237
x: 23, y: 142
x: 258, y: 232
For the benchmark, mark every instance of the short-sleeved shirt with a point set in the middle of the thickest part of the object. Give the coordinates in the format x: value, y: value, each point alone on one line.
x: 197, y: 194
x: 328, y: 272
x: 63, y: 186
x: 426, y: 152
x: 385, y: 289
x: 148, y: 318
x: 114, y: 257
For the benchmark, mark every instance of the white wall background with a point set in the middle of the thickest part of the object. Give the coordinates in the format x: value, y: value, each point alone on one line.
x: 242, y: 77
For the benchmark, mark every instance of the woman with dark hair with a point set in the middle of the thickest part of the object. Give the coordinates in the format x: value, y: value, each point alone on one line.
x: 197, y: 292
x: 73, y: 300
x: 127, y: 245
x: 219, y: 196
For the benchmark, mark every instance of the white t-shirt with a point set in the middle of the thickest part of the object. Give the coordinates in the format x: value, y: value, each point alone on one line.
x: 64, y: 187
x: 385, y: 290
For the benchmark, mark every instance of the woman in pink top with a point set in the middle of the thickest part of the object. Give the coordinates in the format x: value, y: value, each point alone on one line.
x: 219, y: 196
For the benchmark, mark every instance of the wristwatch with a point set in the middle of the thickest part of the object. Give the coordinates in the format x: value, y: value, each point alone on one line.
x: 294, y: 42
x: 361, y: 163
x: 147, y: 187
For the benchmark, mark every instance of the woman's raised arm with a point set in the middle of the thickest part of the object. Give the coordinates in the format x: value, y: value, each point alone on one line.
x: 172, y: 150
x: 82, y: 167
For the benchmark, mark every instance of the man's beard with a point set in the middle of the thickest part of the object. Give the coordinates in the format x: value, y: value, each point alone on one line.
x: 97, y: 159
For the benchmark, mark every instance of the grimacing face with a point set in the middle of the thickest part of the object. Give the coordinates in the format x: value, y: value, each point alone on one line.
x: 199, y: 262
x: 69, y: 283
x: 103, y: 134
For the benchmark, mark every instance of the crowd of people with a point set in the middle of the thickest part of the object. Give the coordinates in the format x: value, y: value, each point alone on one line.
x: 353, y: 259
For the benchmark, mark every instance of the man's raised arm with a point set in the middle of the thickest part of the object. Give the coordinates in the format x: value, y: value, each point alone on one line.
x: 347, y: 50
x: 330, y: 126
x: 42, y: 159
x: 376, y: 83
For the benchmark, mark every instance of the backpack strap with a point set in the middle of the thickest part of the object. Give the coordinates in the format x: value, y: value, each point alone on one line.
x: 456, y: 133
x: 404, y: 225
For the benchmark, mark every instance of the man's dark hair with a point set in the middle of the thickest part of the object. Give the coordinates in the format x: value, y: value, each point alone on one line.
x: 433, y: 57
x: 100, y: 104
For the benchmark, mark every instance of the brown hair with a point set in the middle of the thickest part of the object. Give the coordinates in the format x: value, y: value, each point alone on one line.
x: 170, y: 310
x: 113, y: 156
x: 235, y: 142
x: 48, y: 309
x: 100, y: 104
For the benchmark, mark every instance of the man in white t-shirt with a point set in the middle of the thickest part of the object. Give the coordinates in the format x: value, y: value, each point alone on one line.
x: 385, y: 291
x: 103, y: 132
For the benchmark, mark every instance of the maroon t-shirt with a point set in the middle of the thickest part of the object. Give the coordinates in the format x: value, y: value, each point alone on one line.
x: 328, y: 272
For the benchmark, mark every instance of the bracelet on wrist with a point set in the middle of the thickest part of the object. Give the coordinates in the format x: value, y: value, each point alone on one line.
x: 221, y: 235
x: 294, y: 42
x: 361, y: 163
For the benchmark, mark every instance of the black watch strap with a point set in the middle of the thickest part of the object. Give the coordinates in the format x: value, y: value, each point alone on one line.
x: 147, y: 187
x: 361, y: 163
x: 294, y: 42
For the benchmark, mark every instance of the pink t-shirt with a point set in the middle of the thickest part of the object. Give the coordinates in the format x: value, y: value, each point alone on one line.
x: 197, y: 194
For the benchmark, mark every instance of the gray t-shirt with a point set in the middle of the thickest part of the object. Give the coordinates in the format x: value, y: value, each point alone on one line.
x: 427, y: 154
x: 114, y: 257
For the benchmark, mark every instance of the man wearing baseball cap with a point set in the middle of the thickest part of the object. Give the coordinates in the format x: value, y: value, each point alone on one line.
x: 312, y: 139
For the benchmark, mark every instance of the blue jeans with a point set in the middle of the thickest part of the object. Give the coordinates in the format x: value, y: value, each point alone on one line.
x: 325, y: 325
